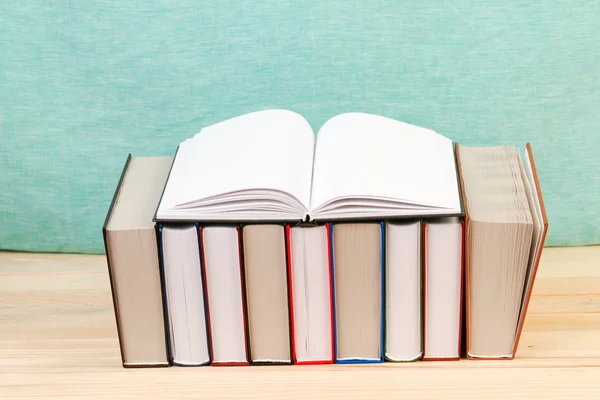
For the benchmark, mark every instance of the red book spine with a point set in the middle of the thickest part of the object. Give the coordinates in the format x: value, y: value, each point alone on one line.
x: 331, y: 310
x: 462, y: 286
x: 290, y: 262
x: 424, y: 255
x: 231, y: 364
x: 288, y: 239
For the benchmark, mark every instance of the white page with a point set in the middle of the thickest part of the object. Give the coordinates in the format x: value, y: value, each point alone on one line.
x: 366, y: 156
x: 443, y: 265
x: 185, y: 296
x: 403, y: 291
x: 311, y: 291
x: 265, y: 150
x: 224, y: 288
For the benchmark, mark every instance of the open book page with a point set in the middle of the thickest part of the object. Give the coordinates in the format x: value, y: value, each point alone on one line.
x: 258, y: 165
x: 368, y: 165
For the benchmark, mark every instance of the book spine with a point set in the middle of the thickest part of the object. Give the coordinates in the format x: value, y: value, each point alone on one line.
x: 243, y: 294
x: 329, y: 230
x: 333, y: 300
x: 290, y: 262
x: 288, y: 275
x: 163, y: 289
x: 382, y: 286
x: 205, y: 288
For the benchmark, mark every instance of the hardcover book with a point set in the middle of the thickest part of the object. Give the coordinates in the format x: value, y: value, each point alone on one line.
x: 505, y: 227
x: 133, y: 265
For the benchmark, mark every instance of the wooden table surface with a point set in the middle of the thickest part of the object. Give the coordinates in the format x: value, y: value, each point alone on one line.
x: 58, y: 338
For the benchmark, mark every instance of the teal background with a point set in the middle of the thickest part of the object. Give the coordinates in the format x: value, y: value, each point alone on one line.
x: 84, y: 83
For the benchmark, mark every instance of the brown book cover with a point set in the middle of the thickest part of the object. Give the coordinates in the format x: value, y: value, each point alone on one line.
x: 536, y: 262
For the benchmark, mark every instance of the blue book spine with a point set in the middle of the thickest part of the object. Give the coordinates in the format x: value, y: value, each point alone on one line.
x: 382, y: 305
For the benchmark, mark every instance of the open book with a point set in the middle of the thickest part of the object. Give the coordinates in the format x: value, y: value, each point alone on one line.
x: 269, y: 165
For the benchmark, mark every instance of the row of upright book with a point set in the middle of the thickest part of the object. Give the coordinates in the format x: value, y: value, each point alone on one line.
x: 260, y: 242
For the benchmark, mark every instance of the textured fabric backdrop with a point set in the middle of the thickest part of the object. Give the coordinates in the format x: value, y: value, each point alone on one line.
x: 84, y: 83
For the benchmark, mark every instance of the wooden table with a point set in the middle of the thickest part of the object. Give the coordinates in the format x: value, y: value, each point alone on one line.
x: 58, y: 338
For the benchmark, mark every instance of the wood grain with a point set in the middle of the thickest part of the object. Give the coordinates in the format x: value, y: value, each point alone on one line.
x: 58, y: 338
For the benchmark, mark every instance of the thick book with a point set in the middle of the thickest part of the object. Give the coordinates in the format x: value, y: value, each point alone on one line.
x: 183, y: 287
x: 222, y: 263
x: 403, y: 290
x: 132, y: 257
x: 266, y: 282
x: 443, y: 266
x: 270, y: 166
x: 310, y: 294
x: 357, y: 263
x: 505, y: 230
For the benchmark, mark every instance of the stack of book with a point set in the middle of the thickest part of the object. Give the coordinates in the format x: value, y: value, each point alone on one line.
x: 261, y: 242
